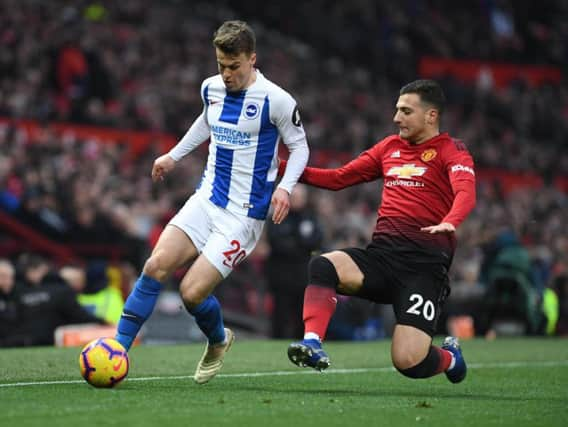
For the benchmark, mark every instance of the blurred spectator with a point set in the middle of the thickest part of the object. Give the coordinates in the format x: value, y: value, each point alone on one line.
x: 556, y: 306
x: 94, y: 290
x: 466, y: 300
x: 9, y: 320
x: 511, y: 293
x: 45, y: 301
x: 551, y: 309
x: 292, y: 243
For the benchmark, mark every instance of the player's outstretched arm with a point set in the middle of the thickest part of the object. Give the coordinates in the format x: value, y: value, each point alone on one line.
x: 443, y: 227
x: 162, y: 166
x: 361, y: 169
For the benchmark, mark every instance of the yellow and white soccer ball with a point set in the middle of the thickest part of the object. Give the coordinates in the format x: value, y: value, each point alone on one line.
x: 104, y: 362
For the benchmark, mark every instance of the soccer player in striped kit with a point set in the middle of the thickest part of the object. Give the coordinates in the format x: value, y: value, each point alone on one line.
x: 245, y: 116
x: 429, y: 189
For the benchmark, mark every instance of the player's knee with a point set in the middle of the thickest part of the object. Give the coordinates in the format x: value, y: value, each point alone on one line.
x: 154, y: 267
x: 322, y: 272
x: 191, y: 297
x: 403, y: 361
x: 415, y: 366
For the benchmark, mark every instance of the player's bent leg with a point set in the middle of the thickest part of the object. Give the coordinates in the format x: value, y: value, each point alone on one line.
x: 320, y: 297
x: 410, y: 346
x: 415, y: 357
x: 195, y: 289
x: 335, y: 270
x: 173, y: 249
x: 137, y: 308
x: 320, y: 301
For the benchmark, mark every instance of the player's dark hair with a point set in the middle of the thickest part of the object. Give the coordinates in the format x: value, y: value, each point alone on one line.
x: 429, y: 92
x: 234, y: 38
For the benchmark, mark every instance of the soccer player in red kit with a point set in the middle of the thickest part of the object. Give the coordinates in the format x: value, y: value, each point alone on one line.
x: 429, y: 189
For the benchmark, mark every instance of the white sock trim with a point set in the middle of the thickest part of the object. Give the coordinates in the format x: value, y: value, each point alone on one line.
x: 453, y: 362
x: 311, y: 336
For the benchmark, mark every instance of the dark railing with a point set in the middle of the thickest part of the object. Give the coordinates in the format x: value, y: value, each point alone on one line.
x: 18, y: 237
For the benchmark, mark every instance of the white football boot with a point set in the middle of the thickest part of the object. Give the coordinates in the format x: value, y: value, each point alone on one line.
x: 212, y: 360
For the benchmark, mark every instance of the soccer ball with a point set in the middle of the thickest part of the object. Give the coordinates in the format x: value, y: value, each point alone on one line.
x: 104, y: 362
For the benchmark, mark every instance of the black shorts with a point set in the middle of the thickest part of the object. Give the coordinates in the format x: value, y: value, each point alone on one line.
x: 414, y: 282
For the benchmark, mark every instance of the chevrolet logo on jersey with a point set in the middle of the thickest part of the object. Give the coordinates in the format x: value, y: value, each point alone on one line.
x: 406, y: 171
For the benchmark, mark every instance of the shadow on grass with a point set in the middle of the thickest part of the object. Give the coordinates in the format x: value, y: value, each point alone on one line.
x: 393, y: 393
x: 239, y: 387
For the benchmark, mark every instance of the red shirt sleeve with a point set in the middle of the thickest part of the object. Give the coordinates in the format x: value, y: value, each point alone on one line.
x: 462, y: 179
x: 464, y: 202
x: 366, y: 167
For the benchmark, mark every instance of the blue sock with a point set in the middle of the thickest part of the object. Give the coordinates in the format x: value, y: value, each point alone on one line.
x: 137, y: 309
x: 209, y: 319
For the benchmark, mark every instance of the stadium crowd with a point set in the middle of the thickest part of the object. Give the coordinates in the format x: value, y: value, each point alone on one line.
x: 138, y: 65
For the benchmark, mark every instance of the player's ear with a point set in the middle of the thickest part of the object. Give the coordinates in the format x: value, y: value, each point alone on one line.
x: 432, y: 116
x: 252, y: 58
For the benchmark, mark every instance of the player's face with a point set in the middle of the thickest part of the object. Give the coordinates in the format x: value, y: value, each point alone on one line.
x: 237, y: 71
x: 414, y: 119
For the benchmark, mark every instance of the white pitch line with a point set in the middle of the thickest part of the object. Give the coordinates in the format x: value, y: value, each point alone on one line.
x: 498, y: 365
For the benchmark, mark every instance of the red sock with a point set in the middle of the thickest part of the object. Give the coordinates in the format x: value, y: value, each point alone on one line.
x: 445, y: 359
x: 319, y: 306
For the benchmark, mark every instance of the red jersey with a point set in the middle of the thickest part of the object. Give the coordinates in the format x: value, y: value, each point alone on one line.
x: 424, y: 185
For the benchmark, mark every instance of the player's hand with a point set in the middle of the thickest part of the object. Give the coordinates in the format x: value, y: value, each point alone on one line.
x: 444, y: 227
x: 281, y: 204
x: 162, y: 165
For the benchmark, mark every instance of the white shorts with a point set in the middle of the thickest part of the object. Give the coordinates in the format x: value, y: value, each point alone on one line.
x: 224, y: 238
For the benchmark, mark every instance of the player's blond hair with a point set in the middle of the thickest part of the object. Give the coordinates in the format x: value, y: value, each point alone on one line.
x: 234, y: 38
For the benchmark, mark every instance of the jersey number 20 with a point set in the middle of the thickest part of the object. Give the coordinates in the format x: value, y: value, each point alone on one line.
x: 428, y: 309
x: 234, y: 256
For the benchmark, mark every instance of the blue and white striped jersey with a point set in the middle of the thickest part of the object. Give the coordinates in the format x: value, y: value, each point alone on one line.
x: 245, y: 129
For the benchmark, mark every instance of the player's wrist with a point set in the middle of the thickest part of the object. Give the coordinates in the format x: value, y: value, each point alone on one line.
x: 173, y: 157
x: 286, y: 189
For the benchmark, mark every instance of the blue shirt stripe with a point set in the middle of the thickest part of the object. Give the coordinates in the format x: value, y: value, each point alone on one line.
x: 261, y: 190
x: 232, y: 107
x: 222, y: 180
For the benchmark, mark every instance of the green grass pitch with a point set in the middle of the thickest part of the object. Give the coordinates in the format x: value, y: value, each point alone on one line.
x: 511, y: 382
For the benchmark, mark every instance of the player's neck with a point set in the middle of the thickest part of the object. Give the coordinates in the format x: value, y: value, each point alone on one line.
x: 252, y: 79
x: 427, y: 136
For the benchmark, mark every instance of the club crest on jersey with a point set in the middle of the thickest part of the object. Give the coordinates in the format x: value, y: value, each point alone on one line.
x: 406, y: 171
x: 251, y: 110
x: 428, y: 155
